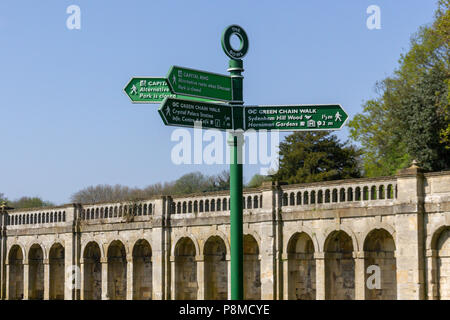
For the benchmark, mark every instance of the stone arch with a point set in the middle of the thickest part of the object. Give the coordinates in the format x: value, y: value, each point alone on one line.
x: 186, y: 284
x: 379, y: 250
x: 349, y: 194
x: 92, y: 271
x: 186, y: 235
x: 292, y: 199
x: 33, y: 243
x: 142, y: 270
x: 119, y: 239
x: 312, y: 197
x: 342, y: 195
x: 301, y: 267
x: 22, y: 248
x: 375, y: 226
x: 57, y: 271
x: 249, y: 202
x: 252, y: 268
x: 435, y: 232
x: 334, y: 195
x: 441, y: 244
x: 216, y: 269
x: 16, y: 258
x: 301, y: 229
x: 320, y: 196
x: 98, y: 242
x: 218, y: 204
x: 216, y: 233
x: 255, y: 202
x: 117, y: 270
x: 339, y: 266
x: 36, y: 256
x: 348, y: 231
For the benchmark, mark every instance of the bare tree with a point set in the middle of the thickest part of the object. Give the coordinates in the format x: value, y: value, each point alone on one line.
x: 189, y: 183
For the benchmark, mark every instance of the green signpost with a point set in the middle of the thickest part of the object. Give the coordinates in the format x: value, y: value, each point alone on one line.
x: 153, y: 90
x: 295, y: 117
x: 148, y: 90
x: 185, y: 96
x: 187, y: 113
x: 190, y: 82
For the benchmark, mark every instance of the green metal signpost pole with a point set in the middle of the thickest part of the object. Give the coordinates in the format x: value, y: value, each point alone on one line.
x: 235, y: 141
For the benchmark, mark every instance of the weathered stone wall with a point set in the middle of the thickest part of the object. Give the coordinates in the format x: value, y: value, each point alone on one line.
x: 309, y: 241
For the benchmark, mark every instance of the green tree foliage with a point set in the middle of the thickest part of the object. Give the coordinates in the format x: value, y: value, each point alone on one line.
x: 316, y: 156
x: 257, y: 180
x: 30, y: 202
x: 197, y: 182
x: 388, y: 133
x: 25, y: 202
x: 423, y: 121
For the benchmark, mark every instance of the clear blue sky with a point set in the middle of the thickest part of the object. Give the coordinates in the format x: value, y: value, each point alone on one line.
x: 66, y: 123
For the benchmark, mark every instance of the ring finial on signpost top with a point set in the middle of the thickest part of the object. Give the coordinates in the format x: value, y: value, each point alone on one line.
x: 226, y: 44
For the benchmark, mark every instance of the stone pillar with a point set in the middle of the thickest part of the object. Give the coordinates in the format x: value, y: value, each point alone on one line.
x: 81, y: 278
x: 410, y: 234
x: 104, y: 262
x: 70, y: 263
x: 360, y: 285
x: 267, y: 262
x: 46, y: 279
x: 285, y: 271
x: 160, y: 276
x: 7, y: 293
x: 200, y: 277
x: 228, y: 257
x: 320, y: 275
x: 173, y: 277
x: 432, y: 275
x: 130, y: 270
x: 25, y: 280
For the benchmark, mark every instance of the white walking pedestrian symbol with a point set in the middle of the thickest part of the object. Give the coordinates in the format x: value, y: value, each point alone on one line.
x: 133, y: 90
x: 337, y: 116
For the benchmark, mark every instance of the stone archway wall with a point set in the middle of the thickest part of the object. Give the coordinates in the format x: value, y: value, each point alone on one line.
x: 36, y: 273
x: 16, y: 273
x: 301, y: 268
x: 339, y: 267
x: 186, y: 284
x: 92, y: 272
x: 252, y: 269
x: 117, y: 271
x: 443, y: 264
x: 57, y: 272
x: 142, y: 271
x: 379, y: 250
x: 216, y: 269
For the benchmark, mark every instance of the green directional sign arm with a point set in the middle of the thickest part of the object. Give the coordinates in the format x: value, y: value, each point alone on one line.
x: 148, y: 90
x: 202, y: 84
x: 295, y: 117
x: 186, y: 113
